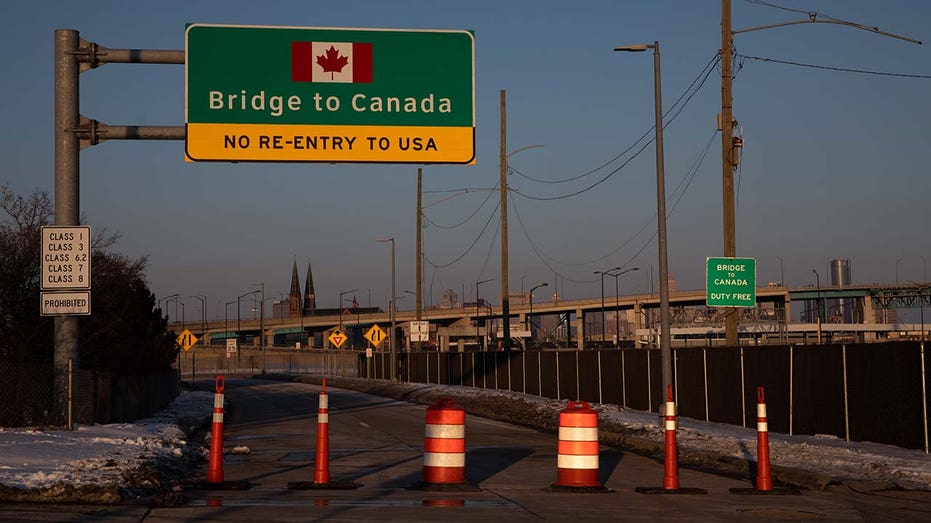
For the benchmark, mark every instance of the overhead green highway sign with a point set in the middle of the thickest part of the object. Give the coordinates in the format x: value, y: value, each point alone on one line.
x: 306, y: 94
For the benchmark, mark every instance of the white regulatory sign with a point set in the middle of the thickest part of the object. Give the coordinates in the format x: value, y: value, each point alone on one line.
x: 420, y: 331
x: 66, y: 258
x: 66, y: 303
x: 231, y: 345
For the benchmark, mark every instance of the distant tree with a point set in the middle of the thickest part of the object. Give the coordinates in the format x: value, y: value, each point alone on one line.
x: 125, y: 333
x: 23, y: 333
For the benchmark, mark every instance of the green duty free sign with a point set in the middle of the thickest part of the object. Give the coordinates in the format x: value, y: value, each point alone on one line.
x: 730, y: 282
x: 258, y: 93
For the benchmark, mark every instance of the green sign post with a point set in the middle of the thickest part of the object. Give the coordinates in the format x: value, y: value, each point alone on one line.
x: 294, y: 94
x: 731, y: 282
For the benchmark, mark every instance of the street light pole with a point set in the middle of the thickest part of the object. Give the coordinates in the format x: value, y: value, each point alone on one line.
x: 340, y: 305
x: 818, y: 302
x: 603, y: 273
x: 203, y: 317
x: 665, y: 340
x: 239, y: 315
x: 530, y: 316
x: 617, y: 302
x: 393, y: 306
x: 262, y: 325
x: 478, y: 340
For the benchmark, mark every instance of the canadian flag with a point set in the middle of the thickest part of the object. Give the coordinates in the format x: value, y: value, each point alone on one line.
x: 335, y: 62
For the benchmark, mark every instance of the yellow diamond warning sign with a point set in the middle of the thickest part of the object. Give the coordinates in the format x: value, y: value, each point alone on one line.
x: 186, y: 339
x: 376, y: 335
x: 337, y: 338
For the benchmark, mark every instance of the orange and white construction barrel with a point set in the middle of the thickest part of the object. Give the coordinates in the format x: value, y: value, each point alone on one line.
x: 577, y: 455
x: 444, y: 443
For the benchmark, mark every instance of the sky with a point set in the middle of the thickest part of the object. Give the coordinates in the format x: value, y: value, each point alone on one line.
x: 111, y: 454
x: 834, y: 163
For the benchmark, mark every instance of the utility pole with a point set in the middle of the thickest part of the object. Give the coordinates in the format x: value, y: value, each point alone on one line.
x: 727, y: 156
x: 419, y: 288
x: 505, y: 302
x: 419, y: 253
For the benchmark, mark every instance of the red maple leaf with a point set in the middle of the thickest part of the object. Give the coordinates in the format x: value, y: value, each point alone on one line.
x: 332, y: 62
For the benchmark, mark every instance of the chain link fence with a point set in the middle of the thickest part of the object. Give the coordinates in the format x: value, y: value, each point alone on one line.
x: 36, y: 394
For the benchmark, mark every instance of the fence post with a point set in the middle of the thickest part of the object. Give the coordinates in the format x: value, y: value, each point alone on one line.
x: 578, y: 397
x: 846, y: 412
x: 743, y: 397
x: 649, y: 384
x: 558, y: 395
x: 675, y: 374
x: 599, y: 378
x: 623, y: 379
x: 508, y: 355
x: 523, y: 368
x: 704, y: 361
x: 540, y: 373
x: 924, y: 394
x: 791, y: 389
x: 71, y: 398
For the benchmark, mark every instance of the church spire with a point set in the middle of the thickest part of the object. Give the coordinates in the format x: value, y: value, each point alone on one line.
x: 294, y: 297
x: 310, y: 299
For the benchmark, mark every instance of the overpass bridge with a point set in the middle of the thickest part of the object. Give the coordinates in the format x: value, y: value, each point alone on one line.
x: 859, y: 312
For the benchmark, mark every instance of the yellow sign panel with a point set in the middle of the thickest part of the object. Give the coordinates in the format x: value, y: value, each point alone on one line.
x: 186, y: 339
x: 337, y: 338
x: 376, y: 335
x: 329, y: 143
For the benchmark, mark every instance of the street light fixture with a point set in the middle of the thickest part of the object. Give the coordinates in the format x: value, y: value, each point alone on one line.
x: 158, y: 303
x: 176, y: 299
x: 665, y: 340
x: 478, y: 340
x: 617, y: 304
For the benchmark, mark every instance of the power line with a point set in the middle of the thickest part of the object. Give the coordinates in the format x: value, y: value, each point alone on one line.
x: 684, y: 185
x: 701, y: 76
x: 447, y: 227
x: 830, y: 68
x: 480, y: 234
x: 707, y: 72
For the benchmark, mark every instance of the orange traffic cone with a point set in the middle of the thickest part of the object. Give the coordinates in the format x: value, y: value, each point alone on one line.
x: 322, y: 452
x: 671, y: 462
x: 764, y: 476
x: 215, y: 464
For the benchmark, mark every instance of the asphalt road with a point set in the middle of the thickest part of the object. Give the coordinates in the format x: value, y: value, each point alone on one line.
x: 377, y: 443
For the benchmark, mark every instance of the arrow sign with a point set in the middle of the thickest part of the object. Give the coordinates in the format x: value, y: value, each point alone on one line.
x: 375, y: 334
x: 186, y: 339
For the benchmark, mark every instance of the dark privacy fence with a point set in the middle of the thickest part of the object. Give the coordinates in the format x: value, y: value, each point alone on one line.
x: 28, y: 395
x: 862, y: 392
